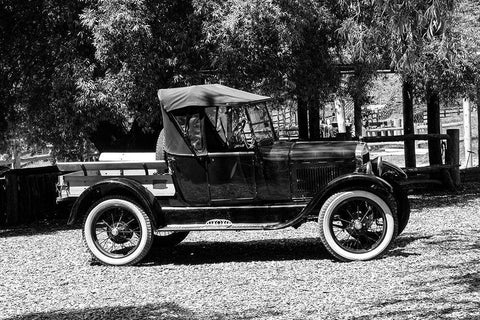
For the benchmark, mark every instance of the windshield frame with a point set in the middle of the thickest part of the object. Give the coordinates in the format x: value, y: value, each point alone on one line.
x: 236, y: 126
x: 268, y: 120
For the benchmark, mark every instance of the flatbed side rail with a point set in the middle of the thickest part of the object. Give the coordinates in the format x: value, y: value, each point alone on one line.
x: 159, y: 165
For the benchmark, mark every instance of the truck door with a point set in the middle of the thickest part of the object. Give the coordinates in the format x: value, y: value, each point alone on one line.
x: 189, y: 166
x: 231, y: 176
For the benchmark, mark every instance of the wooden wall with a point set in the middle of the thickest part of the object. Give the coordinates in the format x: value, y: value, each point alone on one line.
x: 28, y: 195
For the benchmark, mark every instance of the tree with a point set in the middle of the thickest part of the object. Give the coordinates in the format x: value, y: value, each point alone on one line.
x: 140, y: 46
x: 417, y: 35
x: 361, y: 50
x: 279, y: 47
x: 43, y: 53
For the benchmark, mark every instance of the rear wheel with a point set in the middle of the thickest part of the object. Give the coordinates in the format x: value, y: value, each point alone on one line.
x: 117, y: 231
x: 357, y: 225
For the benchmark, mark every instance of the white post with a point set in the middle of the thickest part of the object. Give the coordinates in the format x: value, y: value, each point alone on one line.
x: 16, y: 164
x: 467, y: 131
x: 340, y: 114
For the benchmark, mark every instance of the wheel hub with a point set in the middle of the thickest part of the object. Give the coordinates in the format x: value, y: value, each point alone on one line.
x: 357, y: 224
x: 120, y: 233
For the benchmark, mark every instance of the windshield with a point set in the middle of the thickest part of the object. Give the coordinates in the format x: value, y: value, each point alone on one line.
x: 242, y: 127
x: 261, y: 124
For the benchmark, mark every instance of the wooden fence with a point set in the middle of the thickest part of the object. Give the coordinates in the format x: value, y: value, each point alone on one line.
x: 28, y: 195
x: 445, y: 113
x: 448, y: 171
x: 3, y: 200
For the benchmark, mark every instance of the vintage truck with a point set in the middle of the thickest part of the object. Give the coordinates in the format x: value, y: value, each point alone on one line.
x: 221, y: 166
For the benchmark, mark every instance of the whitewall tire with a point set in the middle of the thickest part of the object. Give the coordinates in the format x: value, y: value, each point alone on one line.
x: 117, y: 231
x: 357, y: 224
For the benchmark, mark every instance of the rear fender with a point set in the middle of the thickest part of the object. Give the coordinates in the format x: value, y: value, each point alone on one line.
x: 351, y: 181
x: 117, y: 186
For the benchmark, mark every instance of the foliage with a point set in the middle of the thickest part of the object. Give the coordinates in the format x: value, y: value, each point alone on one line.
x: 140, y: 46
x: 43, y: 53
x: 280, y: 47
x: 66, y: 67
x: 423, y: 40
x: 271, y: 46
x: 466, y: 33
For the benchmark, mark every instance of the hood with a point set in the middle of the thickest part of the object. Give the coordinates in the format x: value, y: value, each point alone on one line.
x: 323, y: 151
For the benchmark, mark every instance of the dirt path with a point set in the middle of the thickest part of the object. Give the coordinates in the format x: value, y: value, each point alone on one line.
x: 431, y: 273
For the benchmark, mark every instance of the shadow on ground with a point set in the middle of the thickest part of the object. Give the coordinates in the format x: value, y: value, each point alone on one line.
x: 205, y: 252
x: 209, y: 252
x: 421, y: 302
x: 443, y: 198
x: 37, y: 228
x: 164, y: 311
x: 400, y: 248
x: 424, y: 299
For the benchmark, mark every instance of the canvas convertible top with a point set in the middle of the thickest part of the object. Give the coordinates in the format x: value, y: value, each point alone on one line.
x: 207, y: 95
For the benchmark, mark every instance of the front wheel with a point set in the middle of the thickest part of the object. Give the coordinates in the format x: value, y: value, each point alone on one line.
x: 357, y: 225
x: 117, y: 231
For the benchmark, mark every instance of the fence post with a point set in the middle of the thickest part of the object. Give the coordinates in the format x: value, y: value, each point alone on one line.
x: 467, y: 129
x: 408, y: 123
x: 11, y: 185
x: 3, y: 202
x: 452, y: 154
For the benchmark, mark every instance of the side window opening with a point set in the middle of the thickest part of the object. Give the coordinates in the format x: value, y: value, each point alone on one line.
x: 190, y: 124
x: 231, y: 125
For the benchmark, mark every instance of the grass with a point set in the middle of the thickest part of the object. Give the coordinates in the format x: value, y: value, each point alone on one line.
x: 430, y: 273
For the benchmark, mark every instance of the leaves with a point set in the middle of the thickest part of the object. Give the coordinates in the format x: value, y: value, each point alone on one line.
x: 68, y: 66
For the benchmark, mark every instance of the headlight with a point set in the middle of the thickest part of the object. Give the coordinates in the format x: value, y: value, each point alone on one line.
x: 63, y: 188
x: 387, y: 169
x: 362, y: 154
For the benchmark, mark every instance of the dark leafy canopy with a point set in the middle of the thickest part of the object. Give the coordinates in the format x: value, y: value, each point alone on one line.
x: 275, y: 47
x: 43, y: 52
x: 67, y: 66
x: 142, y: 46
x: 421, y: 39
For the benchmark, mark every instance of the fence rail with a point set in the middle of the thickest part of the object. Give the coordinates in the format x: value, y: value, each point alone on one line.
x: 27, y: 195
x: 449, y: 170
x: 27, y: 160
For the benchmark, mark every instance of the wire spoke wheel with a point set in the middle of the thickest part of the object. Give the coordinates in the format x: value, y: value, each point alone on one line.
x: 117, y: 231
x: 357, y: 225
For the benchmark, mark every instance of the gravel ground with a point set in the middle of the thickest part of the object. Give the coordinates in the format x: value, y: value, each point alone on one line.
x: 432, y: 272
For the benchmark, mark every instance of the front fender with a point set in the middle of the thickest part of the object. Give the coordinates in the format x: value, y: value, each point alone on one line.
x: 121, y: 187
x: 348, y: 182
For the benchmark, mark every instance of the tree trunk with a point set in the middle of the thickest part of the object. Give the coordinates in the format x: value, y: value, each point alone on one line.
x: 302, y: 118
x: 478, y: 117
x: 357, y: 117
x: 17, y: 162
x: 408, y: 125
x: 433, y: 118
x: 314, y: 119
x: 340, y: 115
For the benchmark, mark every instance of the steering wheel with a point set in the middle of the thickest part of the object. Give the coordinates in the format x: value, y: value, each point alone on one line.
x: 239, y: 134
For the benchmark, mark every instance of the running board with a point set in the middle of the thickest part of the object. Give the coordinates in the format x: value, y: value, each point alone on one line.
x: 220, y: 225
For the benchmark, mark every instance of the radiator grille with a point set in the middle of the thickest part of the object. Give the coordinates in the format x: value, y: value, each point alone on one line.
x: 310, y: 179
